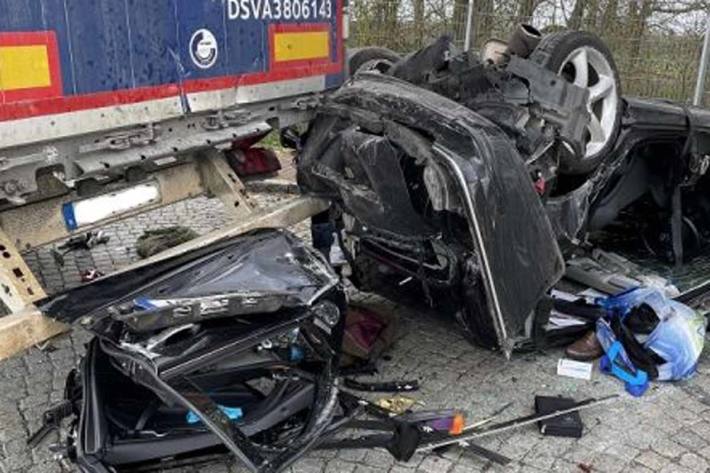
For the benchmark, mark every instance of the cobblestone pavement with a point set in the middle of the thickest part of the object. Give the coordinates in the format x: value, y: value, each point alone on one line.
x: 668, y: 430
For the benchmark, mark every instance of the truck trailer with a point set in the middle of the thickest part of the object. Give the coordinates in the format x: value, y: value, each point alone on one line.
x: 108, y: 109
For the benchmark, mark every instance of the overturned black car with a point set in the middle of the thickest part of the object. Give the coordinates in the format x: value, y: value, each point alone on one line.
x: 234, y: 345
x: 464, y: 180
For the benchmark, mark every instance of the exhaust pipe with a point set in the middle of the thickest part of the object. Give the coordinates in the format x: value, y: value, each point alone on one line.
x: 523, y: 41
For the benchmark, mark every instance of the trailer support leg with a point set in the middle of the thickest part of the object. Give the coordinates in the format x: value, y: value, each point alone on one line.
x: 220, y: 180
x: 19, y: 290
x: 18, y: 286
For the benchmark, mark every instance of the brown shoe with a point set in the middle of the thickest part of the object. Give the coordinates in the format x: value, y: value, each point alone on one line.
x: 586, y: 348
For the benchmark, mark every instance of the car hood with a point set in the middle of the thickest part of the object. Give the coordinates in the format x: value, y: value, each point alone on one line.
x: 259, y: 272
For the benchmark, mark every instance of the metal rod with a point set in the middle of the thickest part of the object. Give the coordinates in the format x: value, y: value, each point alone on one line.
x: 469, y: 26
x: 703, y: 67
x: 477, y: 235
x: 515, y: 424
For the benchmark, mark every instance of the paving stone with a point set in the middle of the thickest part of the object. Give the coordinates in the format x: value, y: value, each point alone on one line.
x: 20, y: 462
x: 337, y: 464
x: 689, y: 440
x: 651, y: 460
x: 352, y: 455
x: 704, y: 452
x: 675, y: 468
x: 694, y: 462
x: 636, y: 468
x: 541, y: 461
x: 641, y: 437
x: 368, y: 469
x: 563, y: 466
x: 434, y: 464
x: 52, y: 467
x: 702, y: 429
x: 378, y: 457
x: 324, y: 454
x: 308, y: 465
x: 625, y: 452
x: 399, y: 468
x: 609, y: 464
x: 470, y: 463
x: 668, y: 448
x: 530, y: 469
x: 580, y: 455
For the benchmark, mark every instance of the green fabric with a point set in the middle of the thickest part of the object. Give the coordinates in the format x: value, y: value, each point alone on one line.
x: 153, y: 242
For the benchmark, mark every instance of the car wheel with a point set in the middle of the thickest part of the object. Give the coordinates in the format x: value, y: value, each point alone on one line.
x: 371, y: 59
x: 583, y: 59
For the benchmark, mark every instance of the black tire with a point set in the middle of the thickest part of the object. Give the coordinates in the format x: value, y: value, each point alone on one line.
x: 359, y: 57
x: 551, y: 53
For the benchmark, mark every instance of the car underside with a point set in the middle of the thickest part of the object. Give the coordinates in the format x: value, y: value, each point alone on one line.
x: 465, y: 181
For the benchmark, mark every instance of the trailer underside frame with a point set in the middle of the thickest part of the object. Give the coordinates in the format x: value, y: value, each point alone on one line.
x: 207, y: 174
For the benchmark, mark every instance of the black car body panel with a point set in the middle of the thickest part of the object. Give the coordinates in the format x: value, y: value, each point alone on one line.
x: 389, y: 121
x: 257, y: 272
x: 442, y: 135
x: 661, y: 146
x: 235, y: 345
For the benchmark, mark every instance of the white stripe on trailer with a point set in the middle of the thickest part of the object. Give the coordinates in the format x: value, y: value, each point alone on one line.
x: 32, y: 130
x: 246, y: 94
x: 29, y: 131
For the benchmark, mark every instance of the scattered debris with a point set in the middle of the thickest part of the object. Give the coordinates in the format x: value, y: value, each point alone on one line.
x: 575, y: 369
x: 89, y: 275
x: 85, y: 241
x: 194, y: 354
x: 382, y: 387
x: 397, y: 404
x: 194, y: 338
x: 156, y: 241
x: 368, y: 334
x: 568, y: 425
x: 516, y: 423
x: 647, y: 336
x: 586, y: 348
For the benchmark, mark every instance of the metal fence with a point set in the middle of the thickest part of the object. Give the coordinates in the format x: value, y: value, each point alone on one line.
x: 658, y: 62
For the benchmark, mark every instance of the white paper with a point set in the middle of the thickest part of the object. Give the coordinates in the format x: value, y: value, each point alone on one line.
x: 574, y: 369
x: 563, y: 296
x: 560, y: 320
